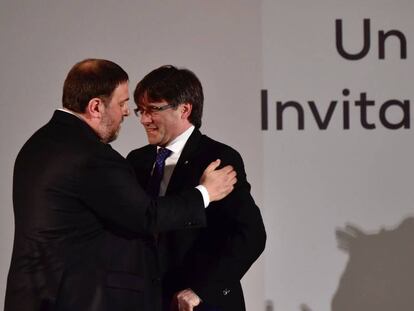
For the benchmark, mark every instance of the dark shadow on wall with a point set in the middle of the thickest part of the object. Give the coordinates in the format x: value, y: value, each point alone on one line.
x: 379, y: 275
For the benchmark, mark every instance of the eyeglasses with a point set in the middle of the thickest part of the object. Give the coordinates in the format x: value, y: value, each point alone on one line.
x: 139, y: 111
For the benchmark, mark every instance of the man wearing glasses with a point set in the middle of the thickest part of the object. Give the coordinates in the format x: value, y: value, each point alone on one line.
x: 201, y: 268
x: 81, y: 219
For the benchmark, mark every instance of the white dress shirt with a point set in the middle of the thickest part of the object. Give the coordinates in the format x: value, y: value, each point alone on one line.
x: 176, y: 146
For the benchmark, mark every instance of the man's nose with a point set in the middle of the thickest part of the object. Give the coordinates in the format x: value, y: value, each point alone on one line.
x: 145, y: 117
x: 126, y: 111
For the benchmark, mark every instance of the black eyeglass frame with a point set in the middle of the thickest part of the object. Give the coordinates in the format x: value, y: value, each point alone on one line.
x: 151, y: 109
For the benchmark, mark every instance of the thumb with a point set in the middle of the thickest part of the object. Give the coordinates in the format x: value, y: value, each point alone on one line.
x: 212, y: 166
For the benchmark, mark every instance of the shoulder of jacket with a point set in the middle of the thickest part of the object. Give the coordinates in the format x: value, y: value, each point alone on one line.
x: 140, y: 151
x: 218, y: 146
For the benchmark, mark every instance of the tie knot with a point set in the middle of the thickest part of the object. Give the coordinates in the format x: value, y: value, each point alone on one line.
x: 162, y: 154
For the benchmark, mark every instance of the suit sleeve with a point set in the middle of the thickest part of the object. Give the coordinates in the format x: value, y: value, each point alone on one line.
x: 231, y: 254
x: 110, y: 190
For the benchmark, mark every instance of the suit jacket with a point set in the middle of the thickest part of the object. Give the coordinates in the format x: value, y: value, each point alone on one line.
x: 83, y: 226
x: 209, y: 260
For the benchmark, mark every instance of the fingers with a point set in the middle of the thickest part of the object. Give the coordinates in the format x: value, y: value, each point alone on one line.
x: 229, y: 175
x: 187, y: 300
x: 232, y: 177
x: 215, y: 164
x: 226, y: 191
x: 212, y: 166
x: 227, y: 169
x: 218, y: 182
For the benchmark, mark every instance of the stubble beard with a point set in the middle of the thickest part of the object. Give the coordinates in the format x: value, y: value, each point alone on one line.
x: 108, y: 132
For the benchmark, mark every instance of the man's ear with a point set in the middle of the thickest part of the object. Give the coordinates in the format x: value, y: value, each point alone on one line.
x: 186, y: 109
x: 94, y: 108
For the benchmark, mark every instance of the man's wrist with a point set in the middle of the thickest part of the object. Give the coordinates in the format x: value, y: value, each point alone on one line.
x: 204, y: 193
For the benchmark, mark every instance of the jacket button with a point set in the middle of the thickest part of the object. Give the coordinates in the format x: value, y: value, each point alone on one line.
x: 226, y: 291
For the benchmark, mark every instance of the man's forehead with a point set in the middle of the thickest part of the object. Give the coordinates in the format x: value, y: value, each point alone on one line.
x: 145, y: 103
x: 122, y: 90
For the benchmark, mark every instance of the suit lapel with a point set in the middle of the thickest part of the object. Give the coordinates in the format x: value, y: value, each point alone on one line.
x: 147, y: 164
x: 180, y: 176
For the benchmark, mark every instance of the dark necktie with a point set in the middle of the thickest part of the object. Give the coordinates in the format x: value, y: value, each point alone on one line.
x: 153, y: 187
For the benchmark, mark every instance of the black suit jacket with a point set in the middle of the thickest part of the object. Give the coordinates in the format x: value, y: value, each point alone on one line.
x: 209, y: 260
x: 83, y: 226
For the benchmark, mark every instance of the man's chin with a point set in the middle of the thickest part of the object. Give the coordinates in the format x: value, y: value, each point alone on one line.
x: 152, y: 139
x: 114, y: 136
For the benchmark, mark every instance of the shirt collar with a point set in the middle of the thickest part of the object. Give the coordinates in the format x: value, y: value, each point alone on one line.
x: 70, y: 111
x: 177, y: 145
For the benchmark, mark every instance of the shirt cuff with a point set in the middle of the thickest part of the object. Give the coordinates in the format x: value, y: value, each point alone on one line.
x: 204, y: 193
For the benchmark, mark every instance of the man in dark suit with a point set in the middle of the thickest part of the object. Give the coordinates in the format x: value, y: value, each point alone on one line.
x: 201, y: 267
x: 82, y: 223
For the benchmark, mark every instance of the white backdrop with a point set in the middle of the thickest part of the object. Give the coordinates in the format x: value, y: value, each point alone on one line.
x: 317, y: 182
x: 218, y: 40
x: 337, y: 203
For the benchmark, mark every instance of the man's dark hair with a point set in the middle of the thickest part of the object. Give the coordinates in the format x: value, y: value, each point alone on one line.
x: 91, y: 78
x: 175, y: 86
